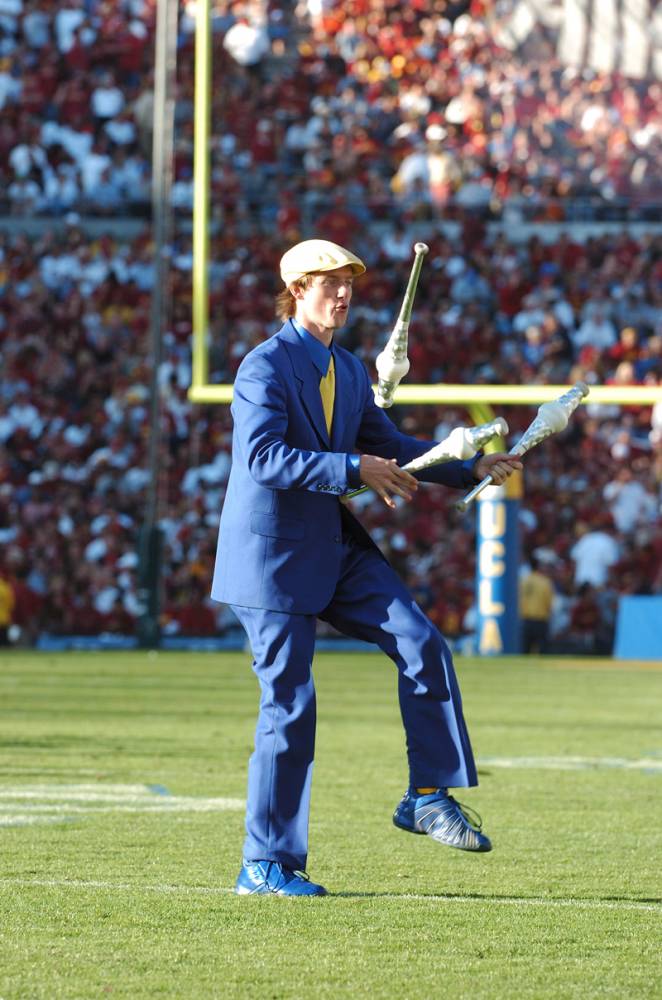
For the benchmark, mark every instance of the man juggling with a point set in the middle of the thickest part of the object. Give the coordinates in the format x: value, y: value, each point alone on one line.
x: 306, y: 431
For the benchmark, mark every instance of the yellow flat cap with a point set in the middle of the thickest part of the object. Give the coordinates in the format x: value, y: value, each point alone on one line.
x: 316, y: 255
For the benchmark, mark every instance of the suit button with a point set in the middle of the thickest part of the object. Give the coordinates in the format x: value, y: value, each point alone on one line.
x: 337, y: 538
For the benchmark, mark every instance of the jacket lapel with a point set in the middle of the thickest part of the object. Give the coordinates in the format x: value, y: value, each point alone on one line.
x: 307, y: 378
x: 345, y: 401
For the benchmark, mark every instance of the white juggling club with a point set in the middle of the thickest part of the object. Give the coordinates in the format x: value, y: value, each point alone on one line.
x: 462, y: 443
x: 392, y: 363
x: 551, y: 418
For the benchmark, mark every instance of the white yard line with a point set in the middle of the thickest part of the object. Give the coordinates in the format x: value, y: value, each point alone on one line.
x: 570, y: 763
x: 624, y: 666
x: 22, y: 805
x: 52, y: 809
x: 202, y: 890
x: 91, y: 789
x: 23, y: 819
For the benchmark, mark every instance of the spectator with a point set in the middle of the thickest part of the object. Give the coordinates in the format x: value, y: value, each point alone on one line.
x: 585, y: 621
x: 630, y: 503
x: 61, y: 189
x: 70, y: 16
x: 429, y: 169
x: 28, y: 158
x: 593, y: 553
x: 536, y: 600
x: 7, y: 604
x: 596, y: 330
x: 247, y: 41
x: 36, y: 24
x: 107, y: 100
x: 96, y: 163
x: 11, y: 85
x: 25, y: 196
x: 104, y: 196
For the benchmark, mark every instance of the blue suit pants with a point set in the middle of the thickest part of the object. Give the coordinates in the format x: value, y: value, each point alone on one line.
x: 370, y: 603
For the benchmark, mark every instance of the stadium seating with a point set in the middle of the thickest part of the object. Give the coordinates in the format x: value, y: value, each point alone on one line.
x: 464, y: 151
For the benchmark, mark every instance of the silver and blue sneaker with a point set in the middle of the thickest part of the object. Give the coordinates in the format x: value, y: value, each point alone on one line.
x: 262, y: 878
x: 439, y: 816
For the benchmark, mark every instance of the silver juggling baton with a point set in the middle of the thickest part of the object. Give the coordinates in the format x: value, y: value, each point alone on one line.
x: 462, y: 443
x: 392, y: 363
x: 551, y: 418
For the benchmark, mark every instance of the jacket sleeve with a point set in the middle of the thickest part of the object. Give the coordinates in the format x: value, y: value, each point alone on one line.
x: 378, y: 435
x: 259, y: 410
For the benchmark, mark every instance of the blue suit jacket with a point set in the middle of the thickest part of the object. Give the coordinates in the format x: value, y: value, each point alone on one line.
x: 280, y: 533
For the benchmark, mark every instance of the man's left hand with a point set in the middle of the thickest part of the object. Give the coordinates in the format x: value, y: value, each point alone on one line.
x: 499, y: 466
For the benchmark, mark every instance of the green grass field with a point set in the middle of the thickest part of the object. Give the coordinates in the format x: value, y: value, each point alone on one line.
x: 121, y: 780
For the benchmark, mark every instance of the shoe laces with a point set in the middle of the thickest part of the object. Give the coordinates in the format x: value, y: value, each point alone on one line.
x: 473, y: 818
x: 284, y: 871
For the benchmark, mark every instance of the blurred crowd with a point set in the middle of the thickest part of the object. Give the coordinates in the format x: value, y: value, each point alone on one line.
x: 368, y: 123
x: 74, y: 338
x: 398, y: 107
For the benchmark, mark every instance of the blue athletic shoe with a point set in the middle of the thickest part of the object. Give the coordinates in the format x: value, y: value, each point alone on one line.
x: 442, y: 818
x: 261, y: 878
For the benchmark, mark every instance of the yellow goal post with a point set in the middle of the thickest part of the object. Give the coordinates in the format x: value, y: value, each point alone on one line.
x: 476, y: 395
x: 477, y: 398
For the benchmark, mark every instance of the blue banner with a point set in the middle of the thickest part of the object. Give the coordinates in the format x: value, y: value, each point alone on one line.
x: 639, y: 628
x: 498, y: 545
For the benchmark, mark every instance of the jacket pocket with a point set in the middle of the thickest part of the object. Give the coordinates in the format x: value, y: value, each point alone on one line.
x: 277, y: 527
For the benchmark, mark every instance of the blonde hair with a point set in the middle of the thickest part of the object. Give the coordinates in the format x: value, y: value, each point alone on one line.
x: 286, y: 304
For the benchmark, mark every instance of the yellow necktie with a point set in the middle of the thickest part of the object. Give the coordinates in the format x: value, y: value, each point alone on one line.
x: 328, y: 394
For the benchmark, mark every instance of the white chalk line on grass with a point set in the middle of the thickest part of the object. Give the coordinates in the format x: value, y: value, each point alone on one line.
x: 22, y: 819
x: 24, y: 813
x: 141, y: 795
x: 624, y: 666
x: 45, y: 769
x: 27, y: 805
x: 46, y: 803
x: 205, y: 890
x: 571, y: 763
x: 106, y: 791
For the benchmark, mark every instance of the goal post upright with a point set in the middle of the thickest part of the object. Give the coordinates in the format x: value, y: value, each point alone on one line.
x: 201, y: 193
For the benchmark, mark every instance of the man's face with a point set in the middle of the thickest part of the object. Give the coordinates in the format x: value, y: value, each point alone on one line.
x: 324, y: 304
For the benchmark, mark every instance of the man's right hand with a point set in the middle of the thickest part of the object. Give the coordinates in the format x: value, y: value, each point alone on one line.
x: 385, y: 477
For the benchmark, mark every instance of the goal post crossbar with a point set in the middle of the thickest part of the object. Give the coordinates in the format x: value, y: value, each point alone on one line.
x: 459, y: 395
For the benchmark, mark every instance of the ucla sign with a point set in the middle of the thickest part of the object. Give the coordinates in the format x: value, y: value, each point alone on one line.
x: 497, y: 570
